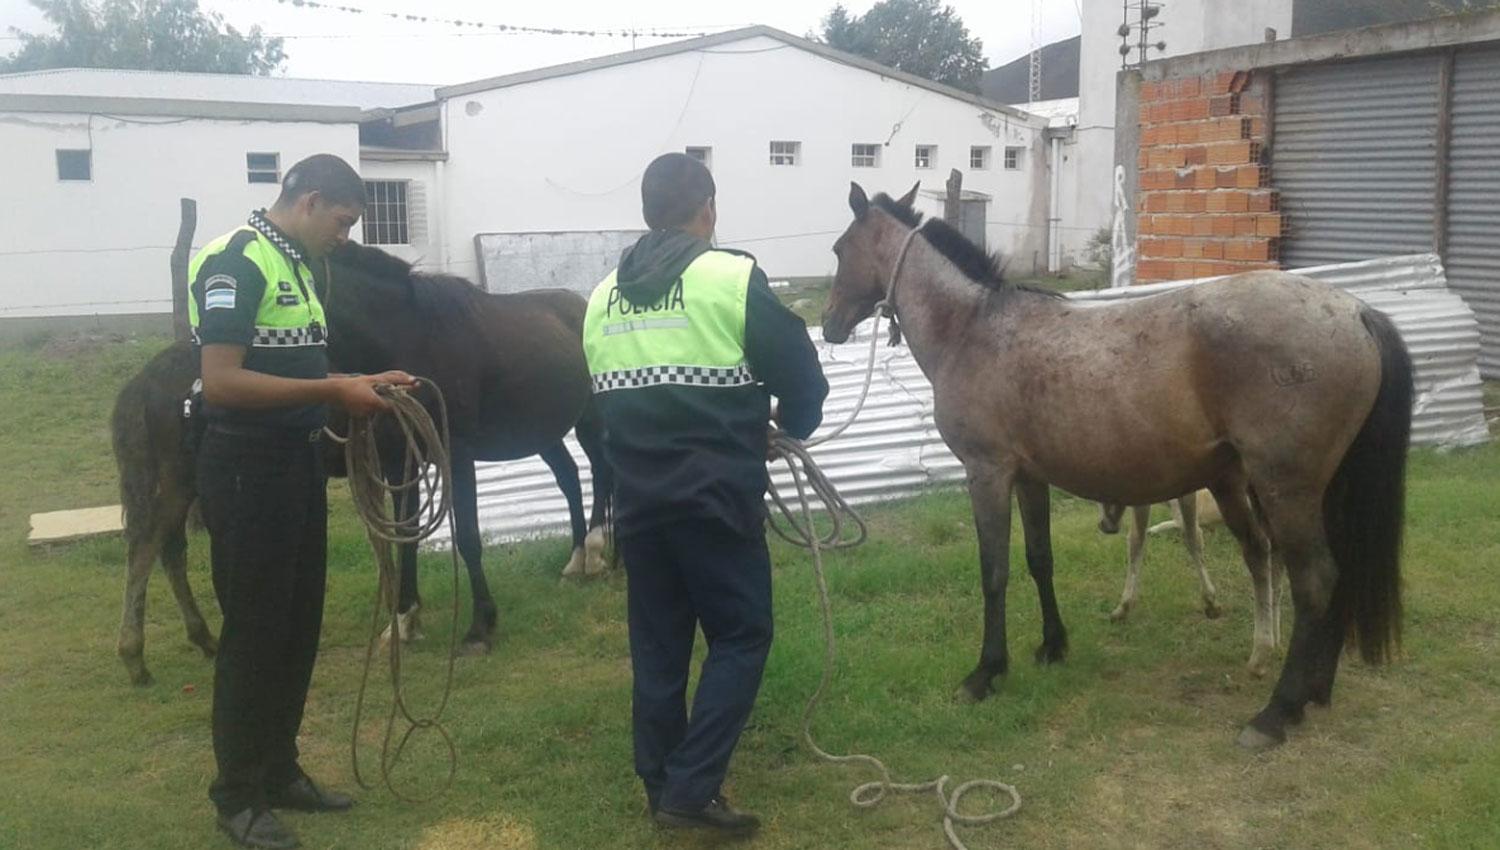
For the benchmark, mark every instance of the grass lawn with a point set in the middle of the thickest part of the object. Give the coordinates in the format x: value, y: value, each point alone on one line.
x: 1128, y: 744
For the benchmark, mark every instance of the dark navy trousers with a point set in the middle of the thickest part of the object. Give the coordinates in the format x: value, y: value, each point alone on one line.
x: 681, y: 576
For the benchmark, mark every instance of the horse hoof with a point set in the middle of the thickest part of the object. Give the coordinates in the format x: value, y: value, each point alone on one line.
x: 209, y: 647
x: 1211, y: 609
x: 975, y: 688
x: 474, y: 647
x: 1051, y: 654
x: 141, y: 678
x: 576, y: 566
x: 1256, y: 741
x: 1119, y: 614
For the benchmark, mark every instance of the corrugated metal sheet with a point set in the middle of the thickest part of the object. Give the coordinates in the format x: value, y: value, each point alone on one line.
x: 1474, y: 196
x: 894, y: 450
x: 1354, y: 158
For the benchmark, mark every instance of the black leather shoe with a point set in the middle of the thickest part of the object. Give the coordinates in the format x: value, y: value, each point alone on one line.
x: 717, y: 814
x: 260, y: 829
x: 303, y: 796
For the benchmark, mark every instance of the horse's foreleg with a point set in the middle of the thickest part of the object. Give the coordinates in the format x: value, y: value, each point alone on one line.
x: 1239, y: 518
x: 1035, y: 500
x: 597, y: 559
x: 565, y: 470
x: 989, y: 494
x: 1192, y: 535
x: 466, y: 537
x: 1141, y: 516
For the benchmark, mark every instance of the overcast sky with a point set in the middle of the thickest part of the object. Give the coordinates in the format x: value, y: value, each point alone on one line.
x: 336, y: 45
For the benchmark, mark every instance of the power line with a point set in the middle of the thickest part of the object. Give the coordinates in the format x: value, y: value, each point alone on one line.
x: 595, y: 32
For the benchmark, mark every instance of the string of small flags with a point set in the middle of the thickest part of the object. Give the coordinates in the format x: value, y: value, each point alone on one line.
x: 515, y: 28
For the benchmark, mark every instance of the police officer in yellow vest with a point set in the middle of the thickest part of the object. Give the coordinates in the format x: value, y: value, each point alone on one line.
x: 261, y: 333
x: 686, y: 345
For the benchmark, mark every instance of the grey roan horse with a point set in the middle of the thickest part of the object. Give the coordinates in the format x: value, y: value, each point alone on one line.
x: 510, y: 366
x: 1290, y: 400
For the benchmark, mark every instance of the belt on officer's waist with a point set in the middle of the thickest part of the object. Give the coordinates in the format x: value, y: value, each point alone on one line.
x: 274, y: 433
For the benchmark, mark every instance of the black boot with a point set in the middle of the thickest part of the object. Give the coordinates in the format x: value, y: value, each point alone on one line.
x: 259, y: 829
x: 302, y: 795
x: 717, y: 814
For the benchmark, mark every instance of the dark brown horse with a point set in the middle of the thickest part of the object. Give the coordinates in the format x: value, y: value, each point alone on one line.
x: 510, y: 366
x: 1289, y: 399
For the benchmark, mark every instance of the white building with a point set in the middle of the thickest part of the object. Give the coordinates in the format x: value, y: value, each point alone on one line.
x: 522, y: 180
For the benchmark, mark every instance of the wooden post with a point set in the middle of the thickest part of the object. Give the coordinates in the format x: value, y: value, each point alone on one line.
x: 952, y: 208
x: 181, y: 253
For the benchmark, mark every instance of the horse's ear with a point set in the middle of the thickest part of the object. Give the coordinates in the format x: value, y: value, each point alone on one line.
x: 910, y: 197
x: 858, y: 202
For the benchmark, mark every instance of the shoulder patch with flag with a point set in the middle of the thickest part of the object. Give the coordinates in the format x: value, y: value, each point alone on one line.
x: 219, y: 292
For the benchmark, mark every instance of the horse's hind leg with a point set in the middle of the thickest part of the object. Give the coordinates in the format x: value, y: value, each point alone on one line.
x: 132, y: 642
x: 565, y: 470
x: 1034, y: 499
x: 1192, y: 535
x: 174, y: 562
x: 1141, y: 517
x: 1296, y: 519
x: 1239, y: 518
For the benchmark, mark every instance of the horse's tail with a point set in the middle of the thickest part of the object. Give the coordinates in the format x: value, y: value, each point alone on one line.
x: 135, y: 456
x: 1364, y: 507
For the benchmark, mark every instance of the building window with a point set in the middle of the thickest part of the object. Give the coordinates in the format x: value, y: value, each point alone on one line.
x: 926, y: 155
x: 1013, y: 159
x: 865, y: 156
x: 75, y: 165
x: 785, y: 153
x: 703, y: 155
x: 385, y: 213
x: 263, y: 167
x: 979, y: 157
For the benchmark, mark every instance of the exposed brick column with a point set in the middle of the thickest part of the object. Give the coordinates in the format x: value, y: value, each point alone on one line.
x: 1206, y: 204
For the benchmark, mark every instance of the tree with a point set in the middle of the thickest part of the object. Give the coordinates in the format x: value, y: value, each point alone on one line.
x: 146, y: 35
x: 919, y: 37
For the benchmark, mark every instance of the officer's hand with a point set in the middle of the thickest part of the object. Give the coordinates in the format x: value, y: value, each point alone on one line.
x: 357, y: 395
x: 395, y: 378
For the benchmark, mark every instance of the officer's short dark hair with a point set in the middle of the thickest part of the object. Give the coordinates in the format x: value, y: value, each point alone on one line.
x: 326, y: 174
x: 673, y: 189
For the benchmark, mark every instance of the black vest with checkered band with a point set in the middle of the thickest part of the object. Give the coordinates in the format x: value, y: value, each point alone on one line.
x: 252, y: 287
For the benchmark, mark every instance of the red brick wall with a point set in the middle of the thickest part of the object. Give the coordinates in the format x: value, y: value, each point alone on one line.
x: 1206, y: 206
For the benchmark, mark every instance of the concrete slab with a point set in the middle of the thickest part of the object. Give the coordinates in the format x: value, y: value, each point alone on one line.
x: 67, y: 526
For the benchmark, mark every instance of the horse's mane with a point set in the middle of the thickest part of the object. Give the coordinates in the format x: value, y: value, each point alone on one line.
x: 436, y: 292
x: 984, y: 269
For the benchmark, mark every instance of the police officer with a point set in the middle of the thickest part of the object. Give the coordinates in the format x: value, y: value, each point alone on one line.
x: 686, y: 345
x: 261, y: 334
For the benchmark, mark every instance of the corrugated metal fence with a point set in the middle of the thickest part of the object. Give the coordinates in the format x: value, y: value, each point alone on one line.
x: 894, y: 450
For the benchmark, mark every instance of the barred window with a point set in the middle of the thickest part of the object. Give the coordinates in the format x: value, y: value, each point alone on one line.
x: 979, y: 157
x: 386, y: 220
x: 865, y: 156
x: 926, y: 154
x: 263, y: 167
x: 785, y: 153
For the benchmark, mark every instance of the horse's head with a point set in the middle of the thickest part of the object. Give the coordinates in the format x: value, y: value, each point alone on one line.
x: 866, y: 252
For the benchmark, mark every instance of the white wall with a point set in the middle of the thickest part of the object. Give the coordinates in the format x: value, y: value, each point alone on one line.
x: 1187, y: 27
x: 566, y: 154
x: 102, y: 247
